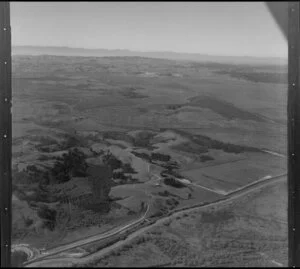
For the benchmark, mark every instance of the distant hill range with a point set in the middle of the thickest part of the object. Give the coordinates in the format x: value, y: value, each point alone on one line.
x: 66, y: 51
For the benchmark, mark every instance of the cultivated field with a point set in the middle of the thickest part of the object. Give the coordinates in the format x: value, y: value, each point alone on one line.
x: 235, y: 174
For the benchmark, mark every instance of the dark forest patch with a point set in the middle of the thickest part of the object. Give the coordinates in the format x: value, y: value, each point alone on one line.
x: 201, y: 144
x: 225, y: 109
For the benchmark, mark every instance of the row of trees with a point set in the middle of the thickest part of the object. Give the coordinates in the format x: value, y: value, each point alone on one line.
x: 173, y: 182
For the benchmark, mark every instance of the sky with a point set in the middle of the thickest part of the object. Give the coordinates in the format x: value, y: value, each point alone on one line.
x: 212, y: 28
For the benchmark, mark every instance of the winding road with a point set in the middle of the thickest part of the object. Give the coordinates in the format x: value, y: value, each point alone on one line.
x: 87, y: 240
x: 68, y: 261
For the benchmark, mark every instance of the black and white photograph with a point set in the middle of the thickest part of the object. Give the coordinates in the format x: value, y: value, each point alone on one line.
x: 148, y: 134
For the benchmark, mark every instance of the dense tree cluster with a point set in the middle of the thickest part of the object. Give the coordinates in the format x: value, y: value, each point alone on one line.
x: 127, y: 168
x: 160, y: 157
x: 142, y: 155
x: 72, y: 164
x: 49, y: 216
x: 173, y: 182
x: 110, y: 160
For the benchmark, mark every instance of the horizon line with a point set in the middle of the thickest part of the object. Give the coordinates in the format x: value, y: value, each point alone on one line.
x: 161, y: 51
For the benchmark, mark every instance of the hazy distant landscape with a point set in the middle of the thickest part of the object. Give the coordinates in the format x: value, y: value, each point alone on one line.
x: 67, y: 51
x: 108, y: 144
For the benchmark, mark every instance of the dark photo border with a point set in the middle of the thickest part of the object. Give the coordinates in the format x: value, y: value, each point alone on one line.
x: 5, y: 133
x: 293, y: 108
